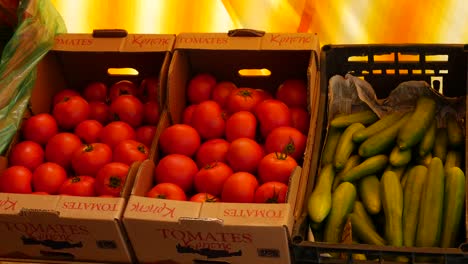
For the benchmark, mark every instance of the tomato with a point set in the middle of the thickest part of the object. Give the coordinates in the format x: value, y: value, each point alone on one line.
x: 179, y: 139
x: 288, y: 140
x: 241, y: 124
x: 151, y: 113
x: 79, y: 186
x: 127, y: 108
x: 178, y: 169
x: 300, y: 119
x: 200, y: 87
x: 244, y: 154
x: 99, y: 111
x: 210, y: 179
x: 40, y: 128
x: 124, y: 87
x: 129, y: 151
x: 264, y: 94
x: 115, y: 132
x: 145, y: 135
x: 28, y: 154
x: 111, y: 178
x: 89, y: 158
x: 168, y: 191
x: 61, y: 147
x: 148, y: 90
x: 221, y: 92
x: 272, y: 114
x: 71, y: 111
x: 48, y: 177
x: 243, y: 99
x: 208, y: 120
x: 95, y: 91
x: 212, y: 150
x: 204, y: 198
x: 88, y: 131
x: 239, y: 188
x: 277, y: 167
x: 40, y: 193
x: 16, y: 179
x: 58, y: 97
x: 293, y: 93
x: 188, y: 113
x: 271, y: 192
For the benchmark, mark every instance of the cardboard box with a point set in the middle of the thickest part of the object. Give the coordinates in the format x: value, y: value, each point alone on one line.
x: 79, y: 228
x: 184, y: 232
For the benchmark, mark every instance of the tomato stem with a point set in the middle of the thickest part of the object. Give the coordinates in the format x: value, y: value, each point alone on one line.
x: 161, y: 196
x: 281, y: 155
x: 274, y: 198
x: 88, y: 148
x: 141, y: 148
x: 115, y: 182
x: 289, y: 148
x: 245, y: 93
x: 75, y: 179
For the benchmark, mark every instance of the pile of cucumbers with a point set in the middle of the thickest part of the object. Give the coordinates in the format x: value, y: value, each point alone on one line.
x: 398, y: 180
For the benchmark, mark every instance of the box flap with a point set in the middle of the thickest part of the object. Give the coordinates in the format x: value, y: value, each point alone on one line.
x: 20, y: 204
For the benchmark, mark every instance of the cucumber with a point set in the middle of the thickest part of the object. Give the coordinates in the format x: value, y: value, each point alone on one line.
x: 431, y: 207
x: 400, y: 157
x: 427, y: 143
x: 399, y: 171
x: 454, y: 132
x: 320, y: 201
x: 453, y: 159
x: 342, y: 204
x: 328, y: 153
x: 441, y: 144
x: 425, y: 161
x: 346, y: 145
x: 392, y: 203
x: 368, y: 188
x: 365, y: 232
x: 404, y: 178
x: 412, y: 132
x: 383, y: 141
x: 454, y: 201
x: 352, y: 162
x: 384, y: 123
x: 369, y: 166
x: 360, y: 210
x: 364, y: 117
x: 411, y: 200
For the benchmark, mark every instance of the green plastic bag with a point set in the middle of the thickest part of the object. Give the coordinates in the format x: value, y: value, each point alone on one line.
x: 38, y: 24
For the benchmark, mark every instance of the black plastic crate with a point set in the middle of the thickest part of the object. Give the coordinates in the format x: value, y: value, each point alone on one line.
x: 384, y: 66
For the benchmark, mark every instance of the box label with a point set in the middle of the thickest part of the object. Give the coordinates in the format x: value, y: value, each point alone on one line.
x: 161, y: 210
x: 8, y: 205
x: 148, y: 42
x: 219, y: 40
x: 90, y: 206
x: 254, y: 213
x: 283, y: 40
x: 74, y: 42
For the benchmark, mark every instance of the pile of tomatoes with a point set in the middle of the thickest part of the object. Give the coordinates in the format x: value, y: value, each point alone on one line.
x: 87, y: 143
x: 235, y: 144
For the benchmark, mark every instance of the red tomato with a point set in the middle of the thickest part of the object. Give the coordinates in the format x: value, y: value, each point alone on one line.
x: 239, y: 188
x: 243, y: 99
x: 208, y: 120
x: 178, y: 169
x: 212, y: 150
x: 71, y: 111
x: 288, y: 140
x: 127, y: 108
x: 145, y: 135
x: 78, y: 186
x: 151, y: 113
x: 148, y: 90
x: 300, y: 119
x: 28, y: 154
x: 40, y: 193
x: 99, y: 111
x: 16, y: 179
x: 40, y: 128
x: 244, y: 154
x: 271, y: 192
x: 293, y: 93
x: 272, y: 114
x: 129, y: 151
x: 168, y: 191
x: 210, y: 179
x: 88, y: 131
x: 179, y: 139
x: 115, y: 132
x: 61, y: 147
x: 95, y: 91
x: 48, y: 177
x: 58, y: 97
x: 187, y: 114
x: 241, y: 124
x: 89, y: 158
x: 123, y: 87
x: 111, y: 178
x: 221, y: 92
x: 204, y: 198
x: 200, y: 87
x: 264, y: 94
x: 277, y: 167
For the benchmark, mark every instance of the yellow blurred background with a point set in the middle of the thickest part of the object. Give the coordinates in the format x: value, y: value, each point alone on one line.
x: 335, y: 21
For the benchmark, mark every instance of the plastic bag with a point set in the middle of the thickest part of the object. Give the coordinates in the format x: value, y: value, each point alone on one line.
x: 38, y: 23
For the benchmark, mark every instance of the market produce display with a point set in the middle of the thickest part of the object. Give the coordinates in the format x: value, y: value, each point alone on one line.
x: 87, y: 143
x: 235, y: 144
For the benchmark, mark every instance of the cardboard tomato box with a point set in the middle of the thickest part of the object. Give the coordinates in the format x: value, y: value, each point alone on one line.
x: 69, y: 227
x: 185, y: 232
